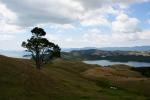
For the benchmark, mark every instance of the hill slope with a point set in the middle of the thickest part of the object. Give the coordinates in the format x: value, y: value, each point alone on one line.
x: 66, y: 80
x: 95, y: 54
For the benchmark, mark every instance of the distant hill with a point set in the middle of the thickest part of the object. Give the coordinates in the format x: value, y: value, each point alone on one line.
x: 14, y: 53
x: 20, y: 54
x: 136, y: 48
x: 96, y: 54
x: 71, y: 49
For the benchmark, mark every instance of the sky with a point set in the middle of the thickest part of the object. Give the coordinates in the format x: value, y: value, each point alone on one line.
x: 76, y: 23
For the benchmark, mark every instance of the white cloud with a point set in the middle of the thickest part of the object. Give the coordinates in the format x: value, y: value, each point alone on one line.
x: 125, y: 24
x: 97, y: 21
x: 6, y: 15
x: 5, y: 37
x: 6, y: 20
x: 31, y: 13
x: 62, y: 26
x: 8, y: 30
x: 145, y: 35
x: 66, y: 42
x: 99, y: 39
x: 64, y: 15
x: 35, y: 12
x: 128, y: 38
x: 148, y: 21
x: 69, y: 40
x: 97, y: 16
x: 125, y: 30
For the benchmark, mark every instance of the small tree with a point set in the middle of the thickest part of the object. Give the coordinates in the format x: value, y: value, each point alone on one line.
x: 41, y: 49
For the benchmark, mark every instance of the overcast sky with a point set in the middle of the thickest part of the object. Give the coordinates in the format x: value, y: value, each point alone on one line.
x: 76, y: 23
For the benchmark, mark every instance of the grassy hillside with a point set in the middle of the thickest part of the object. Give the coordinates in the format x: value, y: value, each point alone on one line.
x: 68, y: 80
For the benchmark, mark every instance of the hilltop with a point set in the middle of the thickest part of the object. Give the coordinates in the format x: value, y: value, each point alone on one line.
x: 134, y: 48
x: 70, y: 80
x: 95, y: 54
x: 138, y: 50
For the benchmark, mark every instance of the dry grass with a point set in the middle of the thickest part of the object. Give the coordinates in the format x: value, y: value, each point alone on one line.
x: 65, y: 80
x: 122, y: 77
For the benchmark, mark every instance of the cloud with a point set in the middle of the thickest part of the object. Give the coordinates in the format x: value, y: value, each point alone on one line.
x: 97, y: 21
x: 97, y: 16
x: 66, y: 42
x: 60, y: 16
x: 148, y: 21
x: 30, y: 13
x: 105, y: 40
x: 130, y: 37
x: 94, y: 4
x: 5, y: 37
x: 144, y: 35
x: 62, y: 26
x: 6, y: 15
x: 6, y: 19
x: 125, y: 24
x: 125, y: 30
x: 59, y: 13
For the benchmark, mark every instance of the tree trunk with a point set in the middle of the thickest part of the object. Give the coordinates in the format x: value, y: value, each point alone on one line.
x: 38, y: 65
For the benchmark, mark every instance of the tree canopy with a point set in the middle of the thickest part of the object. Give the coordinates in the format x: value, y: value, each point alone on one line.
x: 42, y: 50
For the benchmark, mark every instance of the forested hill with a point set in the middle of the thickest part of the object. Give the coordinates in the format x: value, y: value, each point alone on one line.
x: 95, y: 54
x: 135, y: 48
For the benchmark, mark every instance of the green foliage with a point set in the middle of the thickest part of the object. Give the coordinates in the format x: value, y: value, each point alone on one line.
x: 41, y: 49
x: 38, y: 32
x: 145, y: 71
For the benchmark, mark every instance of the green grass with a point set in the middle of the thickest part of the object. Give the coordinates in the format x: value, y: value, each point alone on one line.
x: 58, y: 80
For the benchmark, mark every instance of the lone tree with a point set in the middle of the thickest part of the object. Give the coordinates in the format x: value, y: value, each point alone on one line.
x: 40, y: 48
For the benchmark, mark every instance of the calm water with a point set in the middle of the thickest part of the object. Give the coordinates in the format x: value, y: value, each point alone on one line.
x: 107, y: 62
